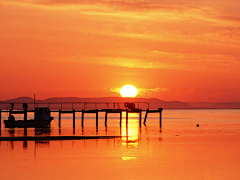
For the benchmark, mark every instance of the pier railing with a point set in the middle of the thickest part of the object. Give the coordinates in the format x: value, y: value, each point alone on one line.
x: 73, y: 105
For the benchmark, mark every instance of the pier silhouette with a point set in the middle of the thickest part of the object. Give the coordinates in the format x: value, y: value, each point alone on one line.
x: 129, y: 108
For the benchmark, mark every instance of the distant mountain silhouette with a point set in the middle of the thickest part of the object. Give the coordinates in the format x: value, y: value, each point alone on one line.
x: 228, y: 105
x: 154, y: 103
x: 220, y: 105
x: 20, y: 99
x: 201, y: 104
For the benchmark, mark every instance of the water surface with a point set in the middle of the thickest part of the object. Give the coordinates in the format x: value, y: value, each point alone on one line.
x: 178, y: 150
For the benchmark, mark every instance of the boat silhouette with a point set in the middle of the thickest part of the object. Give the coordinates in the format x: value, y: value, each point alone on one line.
x: 42, y: 119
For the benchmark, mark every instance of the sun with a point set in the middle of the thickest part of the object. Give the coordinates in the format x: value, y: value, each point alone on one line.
x: 128, y: 91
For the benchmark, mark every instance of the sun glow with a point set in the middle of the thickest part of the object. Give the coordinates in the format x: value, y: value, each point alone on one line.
x: 128, y: 91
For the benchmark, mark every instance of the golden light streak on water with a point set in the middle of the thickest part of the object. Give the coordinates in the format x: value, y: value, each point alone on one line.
x: 130, y: 133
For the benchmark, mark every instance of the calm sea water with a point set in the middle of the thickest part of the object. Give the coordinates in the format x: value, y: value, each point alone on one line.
x: 178, y: 150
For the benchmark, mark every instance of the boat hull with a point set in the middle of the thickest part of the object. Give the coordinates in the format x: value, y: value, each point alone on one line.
x: 27, y: 124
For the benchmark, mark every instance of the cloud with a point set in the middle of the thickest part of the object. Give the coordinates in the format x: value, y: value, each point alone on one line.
x: 120, y: 5
x: 172, y: 61
x: 136, y: 63
x: 216, y: 58
x: 229, y: 18
x: 116, y: 90
x: 151, y: 92
x: 227, y: 36
x: 153, y: 10
x: 115, y: 4
x: 146, y: 92
x: 166, y: 27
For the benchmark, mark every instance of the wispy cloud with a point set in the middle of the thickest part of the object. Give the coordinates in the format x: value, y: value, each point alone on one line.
x: 181, y: 9
x: 172, y: 61
x: 133, y: 5
x: 152, y: 91
x: 137, y: 63
x: 145, y: 92
x: 220, y: 58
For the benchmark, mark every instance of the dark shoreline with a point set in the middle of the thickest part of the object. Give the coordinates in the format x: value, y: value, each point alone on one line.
x: 47, y: 138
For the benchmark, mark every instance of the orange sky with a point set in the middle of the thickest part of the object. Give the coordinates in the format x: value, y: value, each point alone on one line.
x: 184, y: 50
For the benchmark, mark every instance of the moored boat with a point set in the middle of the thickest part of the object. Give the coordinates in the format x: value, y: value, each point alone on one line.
x: 42, y: 119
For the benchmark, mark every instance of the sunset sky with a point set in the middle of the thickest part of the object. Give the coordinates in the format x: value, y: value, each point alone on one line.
x: 184, y: 50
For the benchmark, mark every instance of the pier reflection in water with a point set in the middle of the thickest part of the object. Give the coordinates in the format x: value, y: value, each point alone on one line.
x: 14, y: 132
x: 129, y: 130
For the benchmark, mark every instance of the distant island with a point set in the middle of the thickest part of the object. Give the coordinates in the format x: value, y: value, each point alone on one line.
x: 154, y: 103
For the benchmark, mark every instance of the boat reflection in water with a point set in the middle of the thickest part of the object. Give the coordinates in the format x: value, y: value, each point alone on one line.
x: 37, y: 131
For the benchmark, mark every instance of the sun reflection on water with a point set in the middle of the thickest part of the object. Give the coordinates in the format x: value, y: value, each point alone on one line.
x: 130, y: 135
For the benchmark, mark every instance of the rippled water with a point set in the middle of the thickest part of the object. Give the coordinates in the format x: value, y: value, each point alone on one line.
x: 178, y: 150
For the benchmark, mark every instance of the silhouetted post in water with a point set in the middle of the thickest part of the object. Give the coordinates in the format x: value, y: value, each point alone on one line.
x: 140, y: 117
x: 96, y: 130
x: 25, y: 144
x: 82, y: 131
x: 25, y: 131
x: 127, y: 125
x: 25, y: 106
x: 96, y: 117
x: 73, y: 118
x: 105, y: 130
x: 160, y: 116
x: 82, y: 116
x: 59, y: 118
x: 25, y: 115
x: 106, y: 118
x: 126, y: 117
x: 120, y: 118
x: 34, y: 101
x: 10, y: 113
x: 145, y: 117
x: 0, y: 118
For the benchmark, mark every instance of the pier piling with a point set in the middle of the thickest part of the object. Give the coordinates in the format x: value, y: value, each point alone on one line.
x: 82, y: 116
x: 126, y: 117
x: 59, y: 118
x: 25, y: 115
x: 96, y: 117
x: 106, y: 118
x: 160, y: 116
x: 145, y: 117
x: 140, y: 117
x: 0, y: 118
x: 74, y: 118
x: 120, y: 118
x: 25, y: 131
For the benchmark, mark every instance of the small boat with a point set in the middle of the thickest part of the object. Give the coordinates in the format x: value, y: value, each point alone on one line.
x: 42, y: 119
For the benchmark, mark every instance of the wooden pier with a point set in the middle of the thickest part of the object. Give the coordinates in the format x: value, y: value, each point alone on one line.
x: 94, y: 111
x: 110, y: 111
